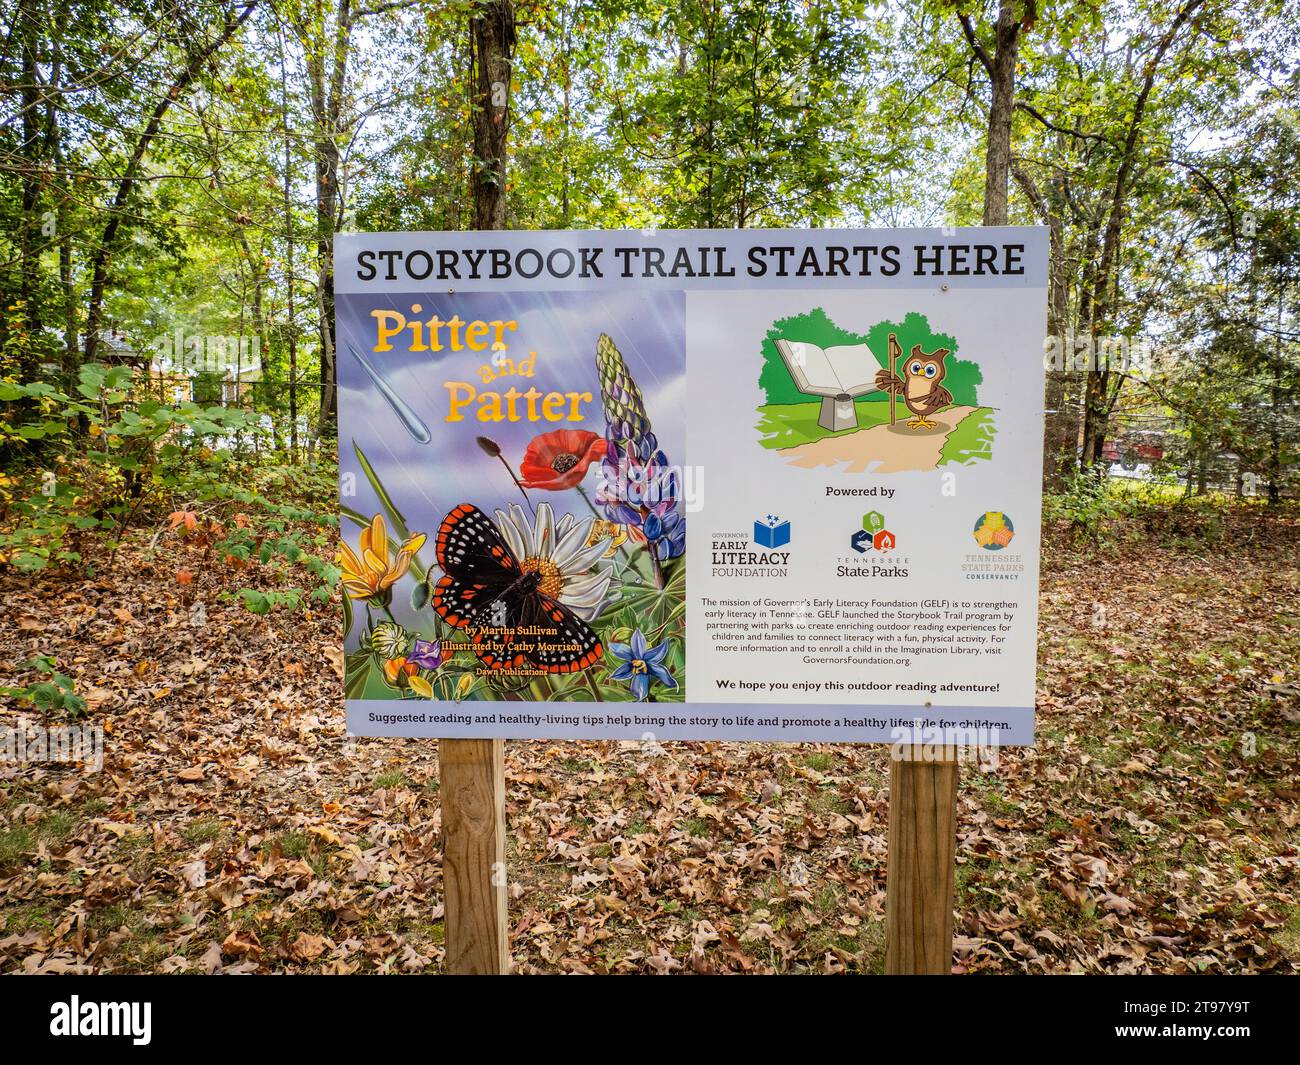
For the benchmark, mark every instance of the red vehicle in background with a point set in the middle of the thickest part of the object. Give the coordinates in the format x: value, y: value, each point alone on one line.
x: 1134, y: 448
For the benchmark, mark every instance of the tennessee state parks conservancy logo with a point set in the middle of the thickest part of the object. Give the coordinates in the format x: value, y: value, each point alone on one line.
x: 77, y: 1018
x: 993, y: 530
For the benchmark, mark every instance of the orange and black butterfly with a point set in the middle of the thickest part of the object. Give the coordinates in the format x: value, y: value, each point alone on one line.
x: 484, y: 586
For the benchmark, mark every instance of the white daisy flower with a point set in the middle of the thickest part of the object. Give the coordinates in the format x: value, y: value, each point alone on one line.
x: 560, y: 552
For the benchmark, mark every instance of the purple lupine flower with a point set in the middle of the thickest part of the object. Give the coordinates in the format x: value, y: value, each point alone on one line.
x: 639, y: 487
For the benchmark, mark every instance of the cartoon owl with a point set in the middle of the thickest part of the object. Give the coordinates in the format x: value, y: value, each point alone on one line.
x: 919, y: 386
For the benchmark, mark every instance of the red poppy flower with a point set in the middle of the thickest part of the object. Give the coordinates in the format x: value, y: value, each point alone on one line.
x: 560, y: 459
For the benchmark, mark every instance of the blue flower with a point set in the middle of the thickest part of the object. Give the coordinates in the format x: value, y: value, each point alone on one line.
x: 641, y: 665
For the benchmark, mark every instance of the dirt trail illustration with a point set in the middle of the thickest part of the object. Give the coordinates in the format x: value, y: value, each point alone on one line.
x: 882, y: 448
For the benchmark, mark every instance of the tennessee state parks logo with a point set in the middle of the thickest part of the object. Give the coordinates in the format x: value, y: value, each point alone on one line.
x: 873, y: 536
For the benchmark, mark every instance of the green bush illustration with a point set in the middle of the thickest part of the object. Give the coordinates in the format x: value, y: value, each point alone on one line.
x: 816, y: 327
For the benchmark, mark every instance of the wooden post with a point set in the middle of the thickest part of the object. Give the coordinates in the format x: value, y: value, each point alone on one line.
x: 922, y: 863
x: 473, y: 787
x: 894, y: 351
x: 473, y: 793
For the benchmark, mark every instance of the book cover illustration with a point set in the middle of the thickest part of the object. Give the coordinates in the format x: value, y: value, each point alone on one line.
x: 893, y: 399
x: 517, y: 530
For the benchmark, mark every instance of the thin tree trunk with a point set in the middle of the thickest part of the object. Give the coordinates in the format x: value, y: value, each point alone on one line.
x: 63, y: 183
x: 493, y: 28
x: 30, y: 20
x: 997, y: 158
x: 1000, y: 65
x: 327, y: 167
x: 107, y: 242
x: 1095, y: 413
x: 327, y: 89
x: 1274, y: 432
x: 292, y: 329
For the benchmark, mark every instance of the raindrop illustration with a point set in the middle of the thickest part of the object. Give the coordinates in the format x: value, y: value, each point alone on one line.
x: 414, y: 424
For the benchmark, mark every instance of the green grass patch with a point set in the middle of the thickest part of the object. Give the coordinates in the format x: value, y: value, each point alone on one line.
x: 791, y: 424
x: 14, y: 845
x: 203, y: 831
x: 971, y: 440
x: 820, y: 761
x: 825, y: 801
x: 294, y: 844
x: 26, y: 916
x: 57, y: 825
x: 1288, y: 936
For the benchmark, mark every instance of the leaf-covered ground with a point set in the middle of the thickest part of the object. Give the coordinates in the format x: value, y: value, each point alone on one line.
x: 235, y: 827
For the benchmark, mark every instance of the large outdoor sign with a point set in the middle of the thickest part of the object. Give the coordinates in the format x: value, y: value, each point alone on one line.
x: 759, y: 485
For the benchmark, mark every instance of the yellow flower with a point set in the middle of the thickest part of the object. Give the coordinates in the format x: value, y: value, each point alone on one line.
x: 399, y: 673
x: 611, y: 530
x: 369, y: 574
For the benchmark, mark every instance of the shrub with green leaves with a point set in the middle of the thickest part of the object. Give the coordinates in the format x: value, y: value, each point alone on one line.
x: 1087, y: 503
x: 96, y: 461
x: 56, y: 691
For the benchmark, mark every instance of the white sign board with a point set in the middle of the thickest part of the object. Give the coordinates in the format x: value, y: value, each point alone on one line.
x: 751, y: 485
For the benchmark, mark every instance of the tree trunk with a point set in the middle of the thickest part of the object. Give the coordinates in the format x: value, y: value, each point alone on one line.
x: 1002, y: 73
x: 1096, y: 411
x: 63, y: 182
x: 327, y: 92
x: 1062, y: 425
x: 292, y: 327
x: 1094, y: 417
x: 107, y: 242
x: 1278, y: 412
x: 493, y: 35
x: 1061, y: 429
x: 327, y: 168
x: 30, y: 20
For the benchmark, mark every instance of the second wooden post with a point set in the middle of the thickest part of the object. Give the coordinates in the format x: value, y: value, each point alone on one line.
x: 922, y: 863
x: 472, y: 790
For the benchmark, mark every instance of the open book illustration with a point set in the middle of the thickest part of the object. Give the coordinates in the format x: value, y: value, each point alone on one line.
x: 839, y: 375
